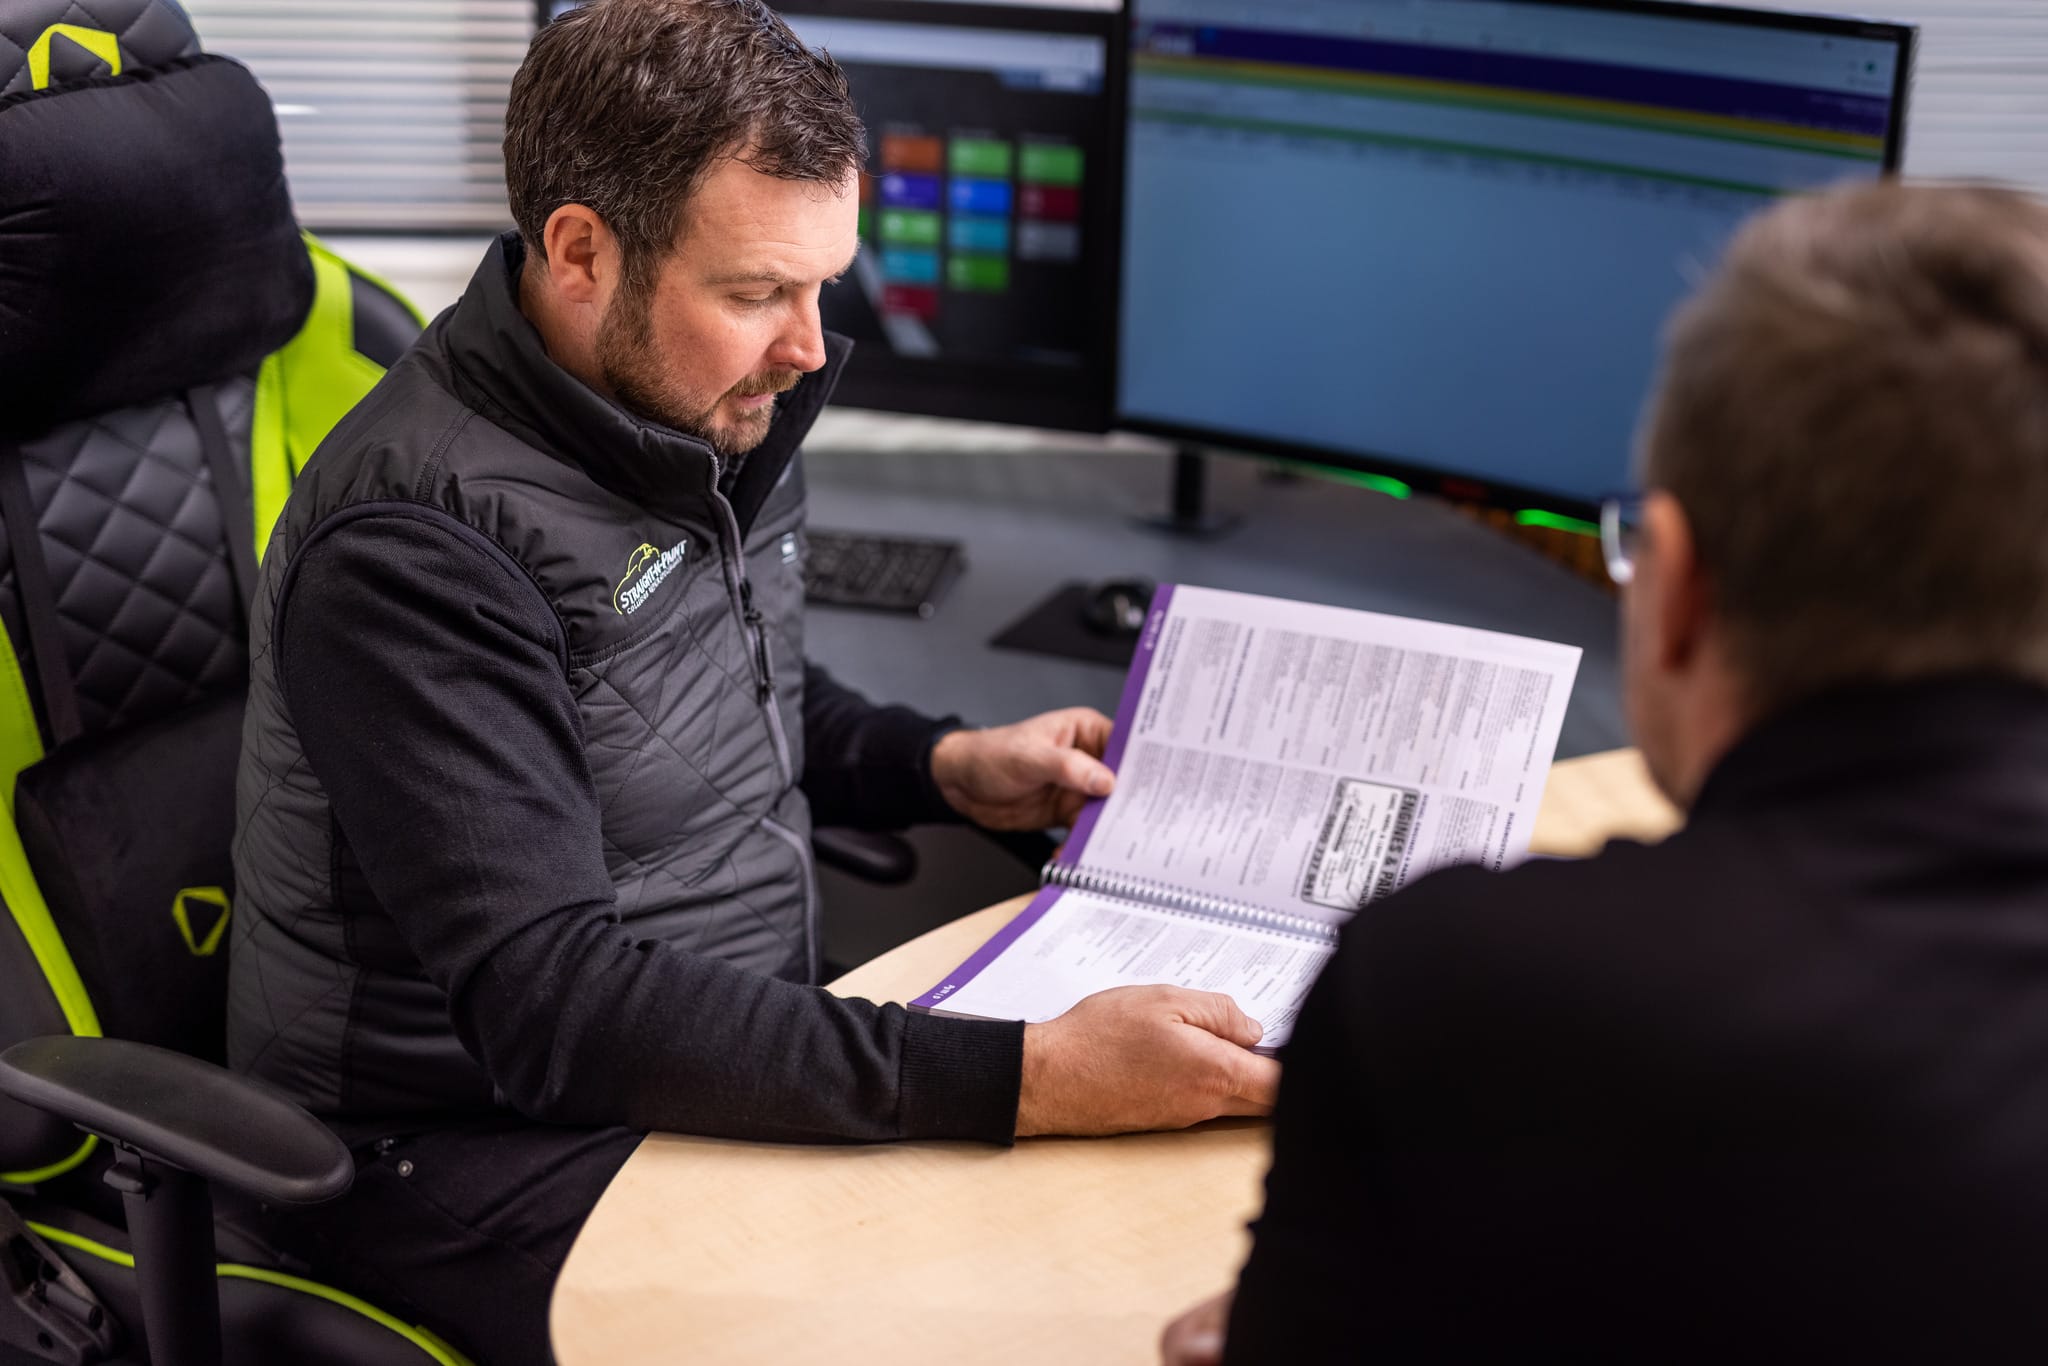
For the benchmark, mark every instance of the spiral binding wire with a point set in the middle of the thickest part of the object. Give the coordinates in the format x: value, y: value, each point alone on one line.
x: 1167, y: 897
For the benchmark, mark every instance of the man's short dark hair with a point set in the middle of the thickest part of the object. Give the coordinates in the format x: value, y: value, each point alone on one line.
x: 624, y: 106
x: 1854, y: 416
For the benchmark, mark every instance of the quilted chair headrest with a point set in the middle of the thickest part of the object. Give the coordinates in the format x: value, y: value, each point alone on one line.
x: 147, y: 242
x: 55, y: 42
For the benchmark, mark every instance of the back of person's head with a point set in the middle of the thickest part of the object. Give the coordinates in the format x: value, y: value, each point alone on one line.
x: 625, y: 106
x: 1854, y: 417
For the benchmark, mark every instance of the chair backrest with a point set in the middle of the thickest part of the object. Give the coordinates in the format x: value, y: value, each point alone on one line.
x: 171, y: 350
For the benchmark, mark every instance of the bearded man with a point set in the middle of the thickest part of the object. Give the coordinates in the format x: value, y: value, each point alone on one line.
x: 533, y: 751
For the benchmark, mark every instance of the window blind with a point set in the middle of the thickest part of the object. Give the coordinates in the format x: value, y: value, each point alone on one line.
x: 392, y: 111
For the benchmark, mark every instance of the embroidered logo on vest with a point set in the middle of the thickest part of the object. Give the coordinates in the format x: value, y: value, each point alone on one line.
x: 646, y: 567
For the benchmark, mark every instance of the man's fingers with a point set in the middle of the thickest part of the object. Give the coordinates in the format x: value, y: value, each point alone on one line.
x: 1092, y: 730
x: 1080, y: 773
x: 1196, y: 1337
x: 1258, y: 1085
x: 1217, y: 1013
x: 1126, y: 1058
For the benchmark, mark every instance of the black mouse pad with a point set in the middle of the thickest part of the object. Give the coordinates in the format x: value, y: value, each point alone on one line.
x: 1055, y: 627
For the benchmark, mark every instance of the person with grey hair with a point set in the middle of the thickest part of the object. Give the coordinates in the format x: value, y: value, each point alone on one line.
x: 1776, y: 1089
x: 533, y: 750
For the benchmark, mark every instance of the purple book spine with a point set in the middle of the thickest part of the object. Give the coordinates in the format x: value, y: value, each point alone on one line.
x: 989, y: 952
x: 1126, y: 717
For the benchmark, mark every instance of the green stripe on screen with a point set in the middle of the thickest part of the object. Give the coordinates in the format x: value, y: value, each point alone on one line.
x: 1378, y: 483
x: 1307, y: 130
x: 1211, y: 70
x: 1556, y: 521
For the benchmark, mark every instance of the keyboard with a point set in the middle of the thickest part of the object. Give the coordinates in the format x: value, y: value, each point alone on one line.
x: 886, y: 573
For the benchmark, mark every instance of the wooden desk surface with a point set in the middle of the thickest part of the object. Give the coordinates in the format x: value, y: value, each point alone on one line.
x: 1061, y: 1250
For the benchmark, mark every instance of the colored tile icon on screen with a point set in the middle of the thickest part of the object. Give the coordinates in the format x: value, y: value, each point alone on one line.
x: 1038, y: 241
x: 910, y: 265
x: 902, y: 190
x: 910, y: 227
x: 1049, y: 163
x: 907, y: 152
x: 917, y: 301
x: 968, y: 232
x: 1056, y: 202
x: 990, y: 197
x: 979, y: 157
x: 978, y: 274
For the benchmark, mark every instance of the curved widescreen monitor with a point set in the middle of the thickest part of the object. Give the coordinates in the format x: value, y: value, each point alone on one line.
x: 1437, y: 239
x: 986, y: 283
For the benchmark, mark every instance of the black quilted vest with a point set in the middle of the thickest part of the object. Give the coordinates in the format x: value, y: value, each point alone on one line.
x: 681, y: 612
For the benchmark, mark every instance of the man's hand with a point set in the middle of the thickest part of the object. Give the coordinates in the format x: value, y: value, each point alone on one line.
x: 1028, y: 775
x: 1196, y: 1337
x: 1143, y: 1058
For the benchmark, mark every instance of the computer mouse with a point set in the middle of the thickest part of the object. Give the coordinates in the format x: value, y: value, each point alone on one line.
x: 1116, y: 607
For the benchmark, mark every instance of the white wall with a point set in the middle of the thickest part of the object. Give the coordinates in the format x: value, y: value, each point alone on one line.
x: 1979, y: 105
x: 430, y: 271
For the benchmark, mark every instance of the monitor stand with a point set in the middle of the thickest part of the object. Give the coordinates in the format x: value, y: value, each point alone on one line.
x: 1057, y: 625
x: 1188, y: 516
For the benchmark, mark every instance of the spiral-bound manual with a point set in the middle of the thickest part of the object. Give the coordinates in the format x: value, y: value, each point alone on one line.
x: 1279, y: 766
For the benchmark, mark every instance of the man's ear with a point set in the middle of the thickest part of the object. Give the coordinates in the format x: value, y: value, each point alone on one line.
x: 1682, y: 599
x: 582, y: 255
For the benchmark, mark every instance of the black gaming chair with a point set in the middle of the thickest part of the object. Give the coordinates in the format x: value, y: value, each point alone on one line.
x: 171, y: 349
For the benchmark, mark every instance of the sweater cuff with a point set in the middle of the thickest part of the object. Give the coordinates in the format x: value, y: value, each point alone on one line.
x: 960, y: 1078
x: 891, y: 770
x: 937, y: 810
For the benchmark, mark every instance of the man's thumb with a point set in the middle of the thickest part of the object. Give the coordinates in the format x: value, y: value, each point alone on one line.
x: 1083, y: 774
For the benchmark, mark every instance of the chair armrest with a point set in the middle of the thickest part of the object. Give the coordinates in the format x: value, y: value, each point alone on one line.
x: 873, y: 855
x: 1032, y: 848
x: 186, y: 1113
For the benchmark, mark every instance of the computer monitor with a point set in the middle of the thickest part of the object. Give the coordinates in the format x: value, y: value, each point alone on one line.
x: 1436, y: 240
x: 986, y: 283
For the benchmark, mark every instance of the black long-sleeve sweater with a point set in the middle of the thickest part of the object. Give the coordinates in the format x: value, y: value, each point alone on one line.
x: 1768, y: 1092
x: 426, y: 690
